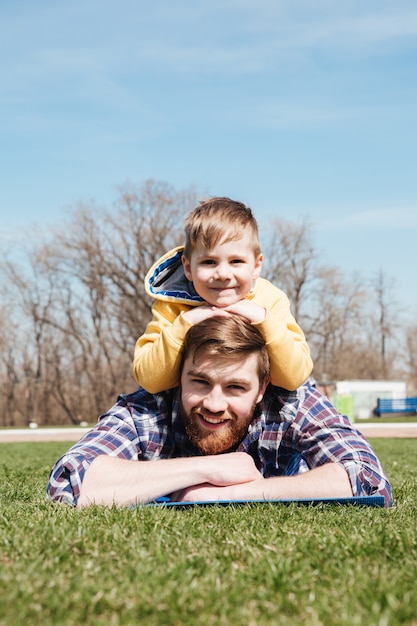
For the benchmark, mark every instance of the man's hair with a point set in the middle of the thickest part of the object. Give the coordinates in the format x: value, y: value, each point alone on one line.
x: 228, y: 339
x: 219, y: 219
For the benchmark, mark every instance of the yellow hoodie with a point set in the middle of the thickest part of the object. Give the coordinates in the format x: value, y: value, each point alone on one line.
x: 157, y: 355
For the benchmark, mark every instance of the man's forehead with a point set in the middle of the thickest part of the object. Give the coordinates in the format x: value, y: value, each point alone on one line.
x: 242, y: 368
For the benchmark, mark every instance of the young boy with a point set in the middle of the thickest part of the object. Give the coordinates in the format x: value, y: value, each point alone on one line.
x: 217, y: 272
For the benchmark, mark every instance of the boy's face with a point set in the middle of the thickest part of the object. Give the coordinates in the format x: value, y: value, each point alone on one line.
x: 225, y: 273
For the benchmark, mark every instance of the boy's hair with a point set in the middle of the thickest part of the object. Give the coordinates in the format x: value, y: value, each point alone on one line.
x: 219, y: 219
x: 227, y: 339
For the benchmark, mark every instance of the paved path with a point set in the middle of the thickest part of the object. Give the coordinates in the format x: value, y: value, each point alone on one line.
x: 401, y: 430
x: 42, y: 434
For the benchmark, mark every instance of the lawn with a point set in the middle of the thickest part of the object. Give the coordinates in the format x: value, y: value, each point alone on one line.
x: 243, y: 565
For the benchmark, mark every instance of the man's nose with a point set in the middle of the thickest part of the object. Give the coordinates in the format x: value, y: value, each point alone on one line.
x: 215, y: 402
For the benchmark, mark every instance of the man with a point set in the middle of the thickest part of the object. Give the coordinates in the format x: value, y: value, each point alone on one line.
x: 224, y: 434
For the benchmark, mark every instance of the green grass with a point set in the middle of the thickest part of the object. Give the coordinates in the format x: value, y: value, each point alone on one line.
x: 245, y: 565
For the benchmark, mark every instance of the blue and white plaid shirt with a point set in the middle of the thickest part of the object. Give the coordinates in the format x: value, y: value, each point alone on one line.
x: 286, y: 425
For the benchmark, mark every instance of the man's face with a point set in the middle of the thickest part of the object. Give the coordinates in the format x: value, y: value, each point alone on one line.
x: 217, y: 401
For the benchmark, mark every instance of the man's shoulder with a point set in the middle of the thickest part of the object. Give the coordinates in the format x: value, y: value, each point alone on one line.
x: 280, y: 399
x: 307, y: 388
x: 141, y: 400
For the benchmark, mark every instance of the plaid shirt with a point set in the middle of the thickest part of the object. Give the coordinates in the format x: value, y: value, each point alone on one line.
x: 285, y: 425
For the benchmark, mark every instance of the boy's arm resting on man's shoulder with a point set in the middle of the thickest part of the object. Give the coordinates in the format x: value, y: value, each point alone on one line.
x: 157, y: 354
x: 289, y: 353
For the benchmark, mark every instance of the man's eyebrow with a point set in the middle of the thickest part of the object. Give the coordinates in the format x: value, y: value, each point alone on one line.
x: 198, y: 373
x: 232, y: 381
x: 242, y: 382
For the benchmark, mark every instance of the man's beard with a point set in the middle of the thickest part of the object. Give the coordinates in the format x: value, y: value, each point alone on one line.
x: 217, y: 442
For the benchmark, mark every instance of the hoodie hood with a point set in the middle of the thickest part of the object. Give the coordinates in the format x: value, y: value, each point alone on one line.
x: 166, y: 280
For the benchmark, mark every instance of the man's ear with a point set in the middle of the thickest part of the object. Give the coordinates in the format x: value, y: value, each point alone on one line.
x: 187, y: 267
x: 258, y: 266
x: 263, y: 389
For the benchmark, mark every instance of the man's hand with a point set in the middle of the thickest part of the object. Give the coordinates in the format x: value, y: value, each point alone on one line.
x: 202, y: 493
x: 327, y: 481
x: 232, y: 468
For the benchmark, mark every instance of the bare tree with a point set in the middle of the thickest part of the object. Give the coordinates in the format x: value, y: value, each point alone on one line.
x: 324, y: 304
x: 291, y: 261
x: 10, y: 370
x: 82, y: 291
x: 147, y: 223
x: 334, y: 316
x: 351, y: 328
x: 74, y: 304
x: 35, y: 293
x: 386, y: 323
x: 411, y: 357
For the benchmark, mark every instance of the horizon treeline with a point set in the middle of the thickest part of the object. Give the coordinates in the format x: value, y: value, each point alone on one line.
x: 73, y: 304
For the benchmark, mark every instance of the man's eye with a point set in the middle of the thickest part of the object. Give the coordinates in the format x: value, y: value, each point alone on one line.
x: 199, y: 381
x: 237, y: 388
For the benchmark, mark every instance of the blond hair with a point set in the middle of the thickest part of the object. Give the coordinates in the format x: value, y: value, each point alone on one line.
x: 219, y: 219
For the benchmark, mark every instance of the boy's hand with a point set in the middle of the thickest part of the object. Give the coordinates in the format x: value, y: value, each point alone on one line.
x: 246, y: 308
x: 199, y: 313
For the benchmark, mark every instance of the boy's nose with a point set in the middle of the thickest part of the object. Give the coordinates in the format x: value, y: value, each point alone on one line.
x: 222, y: 272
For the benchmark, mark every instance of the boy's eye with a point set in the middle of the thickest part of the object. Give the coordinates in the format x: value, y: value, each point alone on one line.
x: 207, y: 262
x: 237, y: 261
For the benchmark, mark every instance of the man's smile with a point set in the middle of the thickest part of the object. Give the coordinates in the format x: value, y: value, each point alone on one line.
x: 210, y: 421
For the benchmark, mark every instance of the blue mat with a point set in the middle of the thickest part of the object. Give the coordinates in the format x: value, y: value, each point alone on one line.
x: 354, y: 500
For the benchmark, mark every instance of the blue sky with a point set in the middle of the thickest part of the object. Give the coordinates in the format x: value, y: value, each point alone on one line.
x: 299, y: 108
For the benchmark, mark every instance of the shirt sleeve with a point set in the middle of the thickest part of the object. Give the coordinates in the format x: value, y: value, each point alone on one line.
x: 115, y: 435
x: 322, y: 435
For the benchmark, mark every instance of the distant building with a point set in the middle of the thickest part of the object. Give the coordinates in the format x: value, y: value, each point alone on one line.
x: 358, y: 398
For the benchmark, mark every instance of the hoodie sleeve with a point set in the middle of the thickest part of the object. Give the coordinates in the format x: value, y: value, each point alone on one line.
x: 289, y: 354
x: 157, y: 355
